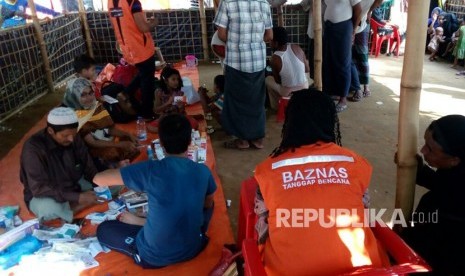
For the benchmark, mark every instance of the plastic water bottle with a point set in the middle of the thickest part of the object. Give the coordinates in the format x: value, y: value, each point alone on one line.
x: 141, y: 129
x: 150, y: 153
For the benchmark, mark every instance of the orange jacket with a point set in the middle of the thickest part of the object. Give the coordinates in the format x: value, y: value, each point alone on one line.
x: 136, y: 46
x: 315, y: 179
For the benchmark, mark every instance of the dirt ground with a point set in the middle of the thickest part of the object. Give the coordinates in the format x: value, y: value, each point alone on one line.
x: 368, y: 127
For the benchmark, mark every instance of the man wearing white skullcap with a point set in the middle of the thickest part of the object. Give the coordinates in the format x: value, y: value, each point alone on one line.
x: 54, y: 163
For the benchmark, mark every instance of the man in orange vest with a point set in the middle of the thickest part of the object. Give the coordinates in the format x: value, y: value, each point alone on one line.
x: 310, y: 194
x: 132, y: 32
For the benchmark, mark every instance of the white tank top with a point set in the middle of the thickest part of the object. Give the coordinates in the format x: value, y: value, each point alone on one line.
x: 293, y: 69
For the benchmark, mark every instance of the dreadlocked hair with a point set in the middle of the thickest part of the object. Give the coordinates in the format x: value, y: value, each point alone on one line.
x: 310, y: 117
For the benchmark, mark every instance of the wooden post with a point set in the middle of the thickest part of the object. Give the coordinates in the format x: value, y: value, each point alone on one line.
x: 280, y: 16
x: 42, y: 47
x: 410, y: 91
x: 318, y: 45
x: 82, y: 15
x: 203, y: 24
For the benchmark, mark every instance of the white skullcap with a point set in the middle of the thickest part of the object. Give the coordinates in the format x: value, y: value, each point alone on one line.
x: 60, y: 116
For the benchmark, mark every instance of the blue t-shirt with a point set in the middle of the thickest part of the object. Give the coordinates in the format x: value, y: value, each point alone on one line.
x: 176, y: 189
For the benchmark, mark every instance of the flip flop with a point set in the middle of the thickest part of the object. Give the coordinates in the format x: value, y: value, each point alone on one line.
x: 257, y: 144
x: 235, y: 144
x: 366, y: 93
x: 358, y: 96
x: 340, y: 107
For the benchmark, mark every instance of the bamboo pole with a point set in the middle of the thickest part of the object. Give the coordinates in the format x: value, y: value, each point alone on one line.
x: 318, y: 45
x: 42, y: 47
x: 203, y: 24
x: 280, y: 16
x: 82, y: 15
x: 410, y: 91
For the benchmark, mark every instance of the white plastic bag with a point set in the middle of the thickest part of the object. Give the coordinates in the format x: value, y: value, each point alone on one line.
x: 191, y: 94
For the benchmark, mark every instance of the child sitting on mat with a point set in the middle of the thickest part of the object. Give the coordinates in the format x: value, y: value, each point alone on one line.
x: 212, y: 106
x: 169, y: 99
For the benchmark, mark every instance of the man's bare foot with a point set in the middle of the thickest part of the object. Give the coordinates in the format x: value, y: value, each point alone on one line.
x: 258, y: 144
x: 130, y: 218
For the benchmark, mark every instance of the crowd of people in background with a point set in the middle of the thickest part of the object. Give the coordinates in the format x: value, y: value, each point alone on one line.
x: 446, y: 37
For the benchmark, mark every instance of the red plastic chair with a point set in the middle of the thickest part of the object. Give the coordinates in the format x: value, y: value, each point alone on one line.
x: 406, y: 260
x: 376, y: 39
x: 246, y: 223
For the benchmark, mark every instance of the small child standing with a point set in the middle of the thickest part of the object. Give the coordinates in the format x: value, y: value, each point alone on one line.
x: 459, y: 50
x: 212, y: 106
x: 436, y: 38
x: 168, y: 98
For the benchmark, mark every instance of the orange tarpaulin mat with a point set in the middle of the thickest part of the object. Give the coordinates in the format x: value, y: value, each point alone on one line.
x: 114, y: 263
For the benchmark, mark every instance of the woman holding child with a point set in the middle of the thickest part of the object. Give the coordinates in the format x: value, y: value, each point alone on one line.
x: 97, y: 128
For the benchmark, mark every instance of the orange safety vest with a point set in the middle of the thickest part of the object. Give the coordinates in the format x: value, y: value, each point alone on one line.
x: 136, y: 46
x: 316, y: 181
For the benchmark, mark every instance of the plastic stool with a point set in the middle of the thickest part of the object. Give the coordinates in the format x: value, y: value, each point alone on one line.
x: 282, y: 105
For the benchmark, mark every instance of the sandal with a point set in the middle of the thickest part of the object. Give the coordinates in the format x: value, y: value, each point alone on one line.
x: 358, y: 96
x: 341, y: 107
x: 208, y: 117
x: 210, y: 129
x: 236, y: 144
x: 366, y: 93
x: 257, y: 144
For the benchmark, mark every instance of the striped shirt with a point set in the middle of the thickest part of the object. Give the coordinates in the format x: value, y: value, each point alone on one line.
x: 246, y: 22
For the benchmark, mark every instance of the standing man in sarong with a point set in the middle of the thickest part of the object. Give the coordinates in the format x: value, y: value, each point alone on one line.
x: 132, y: 31
x: 245, y: 26
x: 340, y: 22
